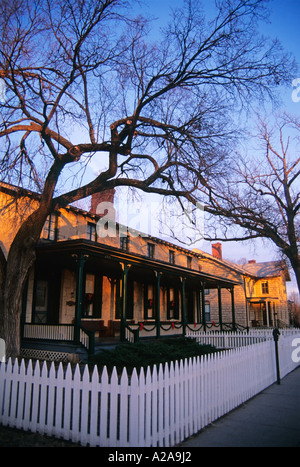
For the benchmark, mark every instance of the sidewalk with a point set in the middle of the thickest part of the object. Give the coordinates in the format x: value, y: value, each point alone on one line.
x: 270, y: 419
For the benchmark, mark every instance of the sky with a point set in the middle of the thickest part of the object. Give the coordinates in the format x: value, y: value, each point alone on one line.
x: 284, y: 25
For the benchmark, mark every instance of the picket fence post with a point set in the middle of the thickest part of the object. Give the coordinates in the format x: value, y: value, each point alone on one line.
x: 134, y: 400
x: 123, y: 408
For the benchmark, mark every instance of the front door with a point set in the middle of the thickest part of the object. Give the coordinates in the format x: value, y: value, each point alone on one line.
x: 256, y: 314
x: 41, y: 302
x: 46, y: 300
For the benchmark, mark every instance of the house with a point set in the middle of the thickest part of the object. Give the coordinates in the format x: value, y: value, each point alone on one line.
x: 267, y: 296
x: 261, y: 296
x: 96, y: 279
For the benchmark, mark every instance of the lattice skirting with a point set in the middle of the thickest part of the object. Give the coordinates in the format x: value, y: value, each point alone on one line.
x: 50, y: 355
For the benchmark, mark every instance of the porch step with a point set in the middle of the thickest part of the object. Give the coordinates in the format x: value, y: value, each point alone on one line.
x: 106, y: 343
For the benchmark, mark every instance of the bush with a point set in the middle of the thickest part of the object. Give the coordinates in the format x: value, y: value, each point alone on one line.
x: 145, y: 354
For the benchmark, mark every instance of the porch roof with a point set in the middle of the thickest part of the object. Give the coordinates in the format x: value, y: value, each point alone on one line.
x: 62, y: 253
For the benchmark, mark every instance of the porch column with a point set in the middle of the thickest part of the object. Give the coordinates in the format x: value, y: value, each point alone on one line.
x: 124, y: 307
x: 24, y: 305
x: 220, y: 307
x: 198, y: 306
x: 233, y: 308
x: 183, y: 310
x: 80, y: 260
x: 268, y: 309
x: 157, y: 303
x: 203, y: 306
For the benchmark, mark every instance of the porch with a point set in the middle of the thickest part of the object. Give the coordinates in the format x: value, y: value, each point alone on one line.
x: 115, y: 297
x: 264, y: 313
x: 57, y: 343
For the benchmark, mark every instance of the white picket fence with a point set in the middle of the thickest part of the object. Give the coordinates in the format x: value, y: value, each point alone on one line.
x: 158, y: 408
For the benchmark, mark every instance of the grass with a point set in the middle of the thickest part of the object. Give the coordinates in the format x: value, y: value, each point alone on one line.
x: 145, y: 354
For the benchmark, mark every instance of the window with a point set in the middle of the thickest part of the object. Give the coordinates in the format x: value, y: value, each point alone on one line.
x: 150, y: 250
x: 89, y: 295
x: 171, y: 257
x: 124, y: 243
x: 265, y: 287
x: 91, y: 232
x: 172, y: 303
x: 50, y: 227
x: 41, y: 302
x: 189, y: 262
x: 149, y: 306
x: 207, y: 312
x: 92, y: 298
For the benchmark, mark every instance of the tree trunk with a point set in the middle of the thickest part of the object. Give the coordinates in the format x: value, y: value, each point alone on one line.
x: 17, y: 270
x: 20, y: 259
x: 2, y: 288
x: 296, y: 269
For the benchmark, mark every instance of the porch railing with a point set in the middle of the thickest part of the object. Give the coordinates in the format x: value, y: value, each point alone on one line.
x: 133, y: 332
x: 217, y: 326
x: 230, y: 337
x: 59, y: 332
x: 87, y: 339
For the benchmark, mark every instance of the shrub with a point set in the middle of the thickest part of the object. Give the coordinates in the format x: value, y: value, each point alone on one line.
x: 145, y: 354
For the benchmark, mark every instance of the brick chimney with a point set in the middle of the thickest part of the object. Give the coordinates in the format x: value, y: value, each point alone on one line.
x: 217, y: 250
x: 106, y: 196
x: 252, y: 261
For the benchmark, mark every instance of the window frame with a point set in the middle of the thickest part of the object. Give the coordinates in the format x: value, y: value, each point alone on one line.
x: 149, y: 301
x: 171, y: 256
x: 50, y: 227
x: 150, y: 250
x: 91, y: 231
x: 265, y: 287
x: 124, y: 243
x: 207, y: 312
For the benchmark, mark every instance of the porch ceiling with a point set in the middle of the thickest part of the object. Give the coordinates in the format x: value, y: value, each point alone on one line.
x: 108, y: 259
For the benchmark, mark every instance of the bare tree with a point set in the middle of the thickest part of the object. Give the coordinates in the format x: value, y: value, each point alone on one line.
x: 294, y: 309
x: 83, y: 78
x: 262, y: 195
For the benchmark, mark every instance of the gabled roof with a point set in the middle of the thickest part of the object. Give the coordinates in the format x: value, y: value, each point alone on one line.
x: 228, y: 264
x: 268, y: 269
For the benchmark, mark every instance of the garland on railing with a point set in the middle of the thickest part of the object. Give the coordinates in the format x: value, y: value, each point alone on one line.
x: 201, y: 325
x: 145, y: 329
x: 173, y: 325
x: 141, y: 326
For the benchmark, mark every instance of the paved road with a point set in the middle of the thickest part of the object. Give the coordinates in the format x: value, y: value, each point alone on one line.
x: 270, y: 419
